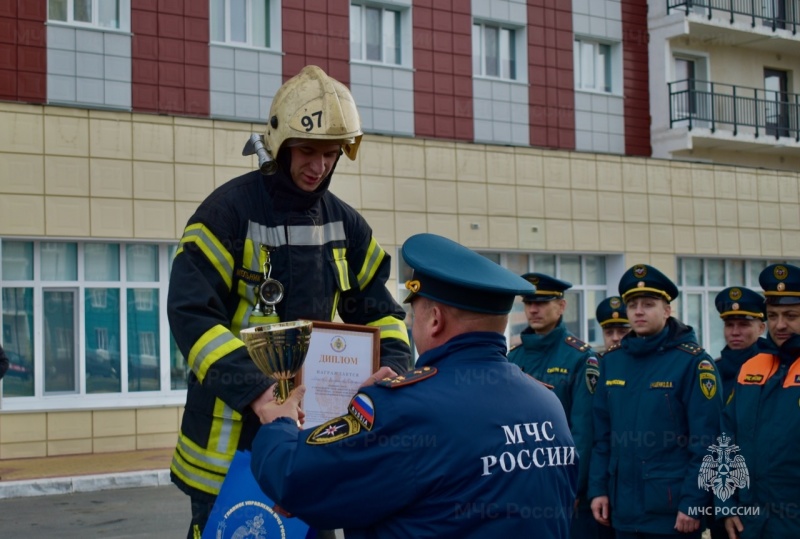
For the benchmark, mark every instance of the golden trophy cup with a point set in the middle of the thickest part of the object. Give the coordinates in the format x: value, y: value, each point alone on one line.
x: 279, y: 350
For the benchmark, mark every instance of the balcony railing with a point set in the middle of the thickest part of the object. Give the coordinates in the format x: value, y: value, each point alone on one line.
x: 777, y: 14
x: 698, y: 103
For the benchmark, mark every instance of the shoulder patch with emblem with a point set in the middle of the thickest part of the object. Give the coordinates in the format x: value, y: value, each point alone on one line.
x: 691, y: 348
x: 708, y: 384
x: 705, y: 365
x: 576, y: 343
x: 334, y: 430
x: 363, y: 410
x: 411, y: 377
x: 592, y: 375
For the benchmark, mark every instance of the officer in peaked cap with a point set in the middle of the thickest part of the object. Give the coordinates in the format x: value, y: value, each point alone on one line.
x: 461, y: 407
x: 552, y: 354
x: 613, y: 320
x: 657, y: 386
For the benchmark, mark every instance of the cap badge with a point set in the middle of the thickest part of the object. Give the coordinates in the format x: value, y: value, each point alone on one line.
x: 614, y: 303
x: 781, y: 287
x: 735, y: 307
x: 534, y: 280
x: 780, y: 272
x: 640, y: 284
x: 615, y: 314
x: 735, y: 294
x: 414, y: 286
x: 639, y: 271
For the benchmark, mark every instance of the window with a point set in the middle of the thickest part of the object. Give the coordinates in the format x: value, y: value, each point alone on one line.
x: 494, y: 51
x: 375, y: 34
x: 102, y: 13
x: 240, y: 22
x: 592, y: 66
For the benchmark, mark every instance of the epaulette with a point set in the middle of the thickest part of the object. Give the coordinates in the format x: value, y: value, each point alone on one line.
x: 576, y: 343
x: 411, y: 377
x: 611, y: 348
x: 691, y: 348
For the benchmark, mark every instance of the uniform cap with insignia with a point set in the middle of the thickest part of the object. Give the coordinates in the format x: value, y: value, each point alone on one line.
x: 450, y: 273
x: 781, y: 284
x: 644, y: 280
x: 611, y: 312
x: 740, y: 302
x: 547, y: 288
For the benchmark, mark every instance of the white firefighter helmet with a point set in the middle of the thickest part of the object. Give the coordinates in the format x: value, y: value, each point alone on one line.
x: 311, y: 105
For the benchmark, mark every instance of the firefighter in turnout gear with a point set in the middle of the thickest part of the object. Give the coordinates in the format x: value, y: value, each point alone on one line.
x: 273, y: 244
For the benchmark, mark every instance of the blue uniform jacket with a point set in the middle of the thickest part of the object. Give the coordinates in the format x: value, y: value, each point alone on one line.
x: 561, y: 360
x: 656, y: 411
x: 730, y: 361
x: 763, y: 419
x: 477, y: 450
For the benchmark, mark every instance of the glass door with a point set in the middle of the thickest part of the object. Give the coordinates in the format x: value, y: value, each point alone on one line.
x: 776, y: 102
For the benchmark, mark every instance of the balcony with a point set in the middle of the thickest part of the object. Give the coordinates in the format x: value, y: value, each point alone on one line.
x: 735, y: 117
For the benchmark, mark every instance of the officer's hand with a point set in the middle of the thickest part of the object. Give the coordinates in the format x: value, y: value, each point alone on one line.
x: 686, y: 524
x: 733, y: 525
x: 600, y: 510
x: 383, y: 372
x: 290, y: 408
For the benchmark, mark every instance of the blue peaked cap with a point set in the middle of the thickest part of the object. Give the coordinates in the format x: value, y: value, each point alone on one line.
x: 450, y: 273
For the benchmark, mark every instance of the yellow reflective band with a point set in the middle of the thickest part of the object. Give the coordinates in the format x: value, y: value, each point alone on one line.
x: 391, y: 328
x: 226, y: 428
x: 185, y: 467
x: 215, y: 252
x: 335, y: 304
x: 215, y: 343
x: 339, y: 258
x: 371, y: 264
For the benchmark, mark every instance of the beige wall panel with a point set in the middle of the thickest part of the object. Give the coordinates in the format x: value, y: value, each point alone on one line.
x: 443, y: 224
x: 343, y: 166
x: 21, y: 174
x: 659, y: 178
x: 531, y: 234
x: 114, y: 444
x: 471, y: 164
x: 69, y: 425
x: 705, y: 239
x: 193, y: 183
x: 529, y: 201
x: 229, y: 140
x: 787, y: 188
x: 382, y: 223
x: 769, y: 215
x: 790, y: 216
x: 662, y: 239
x: 110, y: 139
x: 156, y: 441
x: 728, y: 241
x: 224, y: 174
x: 556, y: 169
x: 583, y: 172
x: 376, y: 158
x: 409, y: 194
x: 21, y: 133
x: 472, y: 197
x: 407, y: 224
x: 194, y: 144
x: 790, y: 243
x: 469, y: 235
x: 681, y: 179
x: 24, y: 450
x: 586, y: 235
x: 154, y: 142
x: 750, y: 242
x: 16, y: 428
x: 703, y: 181
x: 746, y: 184
x: 22, y: 215
x: 503, y: 233
x: 637, y: 237
x: 660, y: 209
x: 633, y: 258
x: 705, y: 212
x: 377, y: 192
x: 155, y: 420
x: 153, y: 181
x: 154, y: 219
x: 770, y: 243
x: 111, y: 178
x: 558, y: 235
x: 609, y: 173
x: 684, y: 240
x: 69, y: 447
x: 111, y: 217
x: 501, y: 201
x: 584, y: 205
x: 67, y: 176
x: 557, y: 202
x: 612, y: 237
x: 727, y: 213
x: 114, y: 423
x: 65, y: 135
x: 67, y: 216
x: 500, y: 165
x: 529, y: 167
x: 636, y: 210
x: 767, y: 187
x: 408, y: 158
x: 183, y: 211
x: 441, y: 196
x: 748, y: 213
x: 725, y: 182
x: 610, y: 206
x: 347, y: 187
x: 440, y: 161
x: 634, y: 175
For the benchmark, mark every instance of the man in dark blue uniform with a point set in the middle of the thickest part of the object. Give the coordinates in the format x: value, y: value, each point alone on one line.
x: 656, y: 411
x: 553, y: 355
x: 761, y: 424
x: 464, y: 446
x: 613, y: 320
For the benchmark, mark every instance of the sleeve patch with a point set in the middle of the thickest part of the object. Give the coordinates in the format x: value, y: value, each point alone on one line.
x: 592, y: 362
x: 334, y: 430
x: 708, y: 384
x: 409, y: 378
x: 363, y: 410
x: 705, y: 365
x: 592, y: 375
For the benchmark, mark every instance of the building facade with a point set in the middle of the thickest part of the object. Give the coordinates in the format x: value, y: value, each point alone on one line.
x: 564, y: 137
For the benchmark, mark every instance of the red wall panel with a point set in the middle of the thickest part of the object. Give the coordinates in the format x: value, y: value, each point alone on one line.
x: 443, y: 106
x: 636, y: 75
x: 316, y: 32
x: 169, y: 53
x: 23, y: 50
x: 550, y: 73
